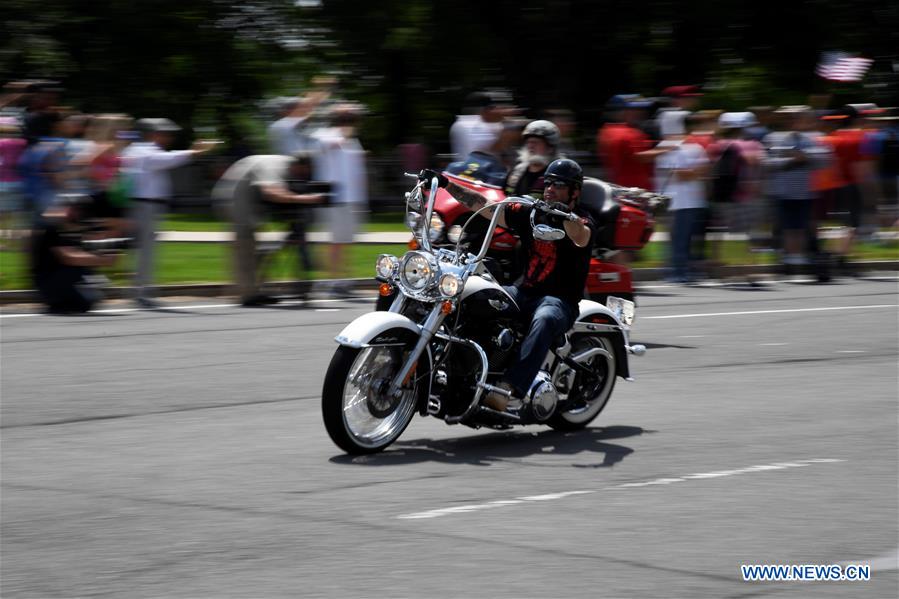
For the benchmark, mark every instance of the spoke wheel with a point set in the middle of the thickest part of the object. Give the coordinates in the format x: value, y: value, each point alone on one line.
x: 588, y: 395
x: 359, y: 414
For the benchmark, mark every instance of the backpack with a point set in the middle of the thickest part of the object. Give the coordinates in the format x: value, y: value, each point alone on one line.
x: 726, y: 174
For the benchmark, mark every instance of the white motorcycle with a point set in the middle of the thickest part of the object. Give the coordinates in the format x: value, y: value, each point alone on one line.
x: 450, y: 333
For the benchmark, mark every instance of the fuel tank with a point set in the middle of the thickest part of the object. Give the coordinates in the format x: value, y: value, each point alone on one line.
x: 487, y: 300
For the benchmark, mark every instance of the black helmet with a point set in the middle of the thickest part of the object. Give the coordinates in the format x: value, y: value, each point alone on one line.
x: 566, y: 170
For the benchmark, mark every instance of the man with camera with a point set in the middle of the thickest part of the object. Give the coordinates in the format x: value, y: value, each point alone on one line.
x: 255, y: 188
x: 64, y: 255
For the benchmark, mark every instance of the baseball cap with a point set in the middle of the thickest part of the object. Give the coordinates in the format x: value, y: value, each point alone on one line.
x: 621, y: 101
x: 158, y: 125
x: 682, y: 91
x: 793, y: 109
x: 737, y: 120
x: 487, y: 98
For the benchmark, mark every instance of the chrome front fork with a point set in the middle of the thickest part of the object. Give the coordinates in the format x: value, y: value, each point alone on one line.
x: 428, y: 330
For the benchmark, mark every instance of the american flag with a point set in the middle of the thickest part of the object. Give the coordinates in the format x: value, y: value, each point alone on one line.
x: 840, y: 66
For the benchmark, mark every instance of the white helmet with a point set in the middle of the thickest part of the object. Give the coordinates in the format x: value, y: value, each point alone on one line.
x: 543, y: 129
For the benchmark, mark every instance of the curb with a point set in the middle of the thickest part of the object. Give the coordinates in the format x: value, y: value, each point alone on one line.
x: 641, y: 275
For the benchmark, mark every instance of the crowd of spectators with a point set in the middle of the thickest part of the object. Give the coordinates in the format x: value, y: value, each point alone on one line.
x: 69, y: 180
x: 772, y: 175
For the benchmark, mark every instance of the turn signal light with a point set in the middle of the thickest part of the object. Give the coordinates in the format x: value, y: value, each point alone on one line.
x: 446, y: 308
x: 413, y: 244
x: 385, y: 289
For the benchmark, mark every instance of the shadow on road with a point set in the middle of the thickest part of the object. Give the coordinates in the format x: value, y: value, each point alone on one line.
x: 591, y: 446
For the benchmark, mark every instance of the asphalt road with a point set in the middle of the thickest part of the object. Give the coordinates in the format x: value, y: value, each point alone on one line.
x: 182, y: 454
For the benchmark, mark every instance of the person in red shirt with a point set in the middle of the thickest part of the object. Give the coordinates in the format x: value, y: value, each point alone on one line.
x: 854, y: 169
x: 625, y: 152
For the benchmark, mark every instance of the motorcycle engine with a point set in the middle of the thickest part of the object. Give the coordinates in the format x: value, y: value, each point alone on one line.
x: 542, y: 397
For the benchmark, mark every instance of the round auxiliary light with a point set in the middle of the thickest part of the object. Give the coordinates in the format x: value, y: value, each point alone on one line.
x: 437, y: 226
x: 387, y: 266
x: 454, y: 234
x: 413, y: 220
x: 450, y: 285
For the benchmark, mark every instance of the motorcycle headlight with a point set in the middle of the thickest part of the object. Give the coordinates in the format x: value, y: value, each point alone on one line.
x: 437, y: 226
x: 413, y: 220
x: 450, y: 285
x: 387, y: 266
x: 418, y: 271
x: 454, y: 233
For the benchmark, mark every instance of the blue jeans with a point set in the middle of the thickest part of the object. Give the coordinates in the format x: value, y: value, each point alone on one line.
x: 550, y: 317
x: 687, y: 224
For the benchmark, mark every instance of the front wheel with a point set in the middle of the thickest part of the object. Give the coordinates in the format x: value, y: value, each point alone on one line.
x: 359, y: 415
x: 587, y: 395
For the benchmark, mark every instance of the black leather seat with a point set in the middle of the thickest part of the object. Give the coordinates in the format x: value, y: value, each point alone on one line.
x: 597, y: 198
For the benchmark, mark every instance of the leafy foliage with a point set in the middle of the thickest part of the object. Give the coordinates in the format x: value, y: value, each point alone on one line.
x: 208, y: 62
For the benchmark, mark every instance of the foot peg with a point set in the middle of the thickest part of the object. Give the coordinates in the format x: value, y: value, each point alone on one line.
x: 637, y: 349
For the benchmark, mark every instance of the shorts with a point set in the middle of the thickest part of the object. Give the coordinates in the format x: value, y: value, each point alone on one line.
x: 794, y: 214
x: 343, y: 222
x: 849, y: 206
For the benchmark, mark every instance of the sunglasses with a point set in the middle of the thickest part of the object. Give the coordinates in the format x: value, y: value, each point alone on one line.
x: 555, y: 183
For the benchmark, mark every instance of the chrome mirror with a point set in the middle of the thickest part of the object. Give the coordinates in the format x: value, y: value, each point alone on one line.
x: 545, y: 232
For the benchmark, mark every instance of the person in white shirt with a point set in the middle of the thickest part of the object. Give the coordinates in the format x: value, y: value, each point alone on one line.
x: 342, y: 161
x: 147, y: 165
x: 680, y: 174
x: 243, y: 190
x: 293, y: 131
x: 479, y: 128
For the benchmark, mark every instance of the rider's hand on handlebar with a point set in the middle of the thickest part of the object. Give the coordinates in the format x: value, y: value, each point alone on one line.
x: 560, y: 207
x: 562, y: 211
x: 427, y: 174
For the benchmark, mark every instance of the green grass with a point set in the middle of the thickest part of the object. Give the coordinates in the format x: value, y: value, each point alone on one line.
x: 183, y: 263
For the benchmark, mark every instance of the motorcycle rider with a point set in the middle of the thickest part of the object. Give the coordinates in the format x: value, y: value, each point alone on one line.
x: 541, y: 146
x: 552, y: 284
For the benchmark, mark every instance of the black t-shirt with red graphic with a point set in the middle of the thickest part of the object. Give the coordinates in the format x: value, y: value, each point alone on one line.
x: 557, y: 268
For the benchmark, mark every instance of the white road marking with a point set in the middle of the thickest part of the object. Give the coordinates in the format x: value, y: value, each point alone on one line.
x: 174, y: 308
x: 882, y: 563
x: 851, y: 351
x: 773, y: 344
x: 475, y: 507
x: 771, y: 282
x: 785, y: 311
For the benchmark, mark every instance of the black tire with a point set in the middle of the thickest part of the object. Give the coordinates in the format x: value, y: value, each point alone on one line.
x: 605, y: 363
x: 345, y: 421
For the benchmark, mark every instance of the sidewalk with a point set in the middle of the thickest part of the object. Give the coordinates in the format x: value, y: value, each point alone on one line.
x: 387, y: 237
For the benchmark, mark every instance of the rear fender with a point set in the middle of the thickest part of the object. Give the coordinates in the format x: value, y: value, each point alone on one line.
x: 596, y: 319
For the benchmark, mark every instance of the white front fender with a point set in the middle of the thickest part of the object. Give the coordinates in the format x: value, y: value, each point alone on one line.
x: 367, y: 327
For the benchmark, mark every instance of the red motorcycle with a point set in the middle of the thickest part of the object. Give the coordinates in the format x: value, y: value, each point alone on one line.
x: 625, y: 215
